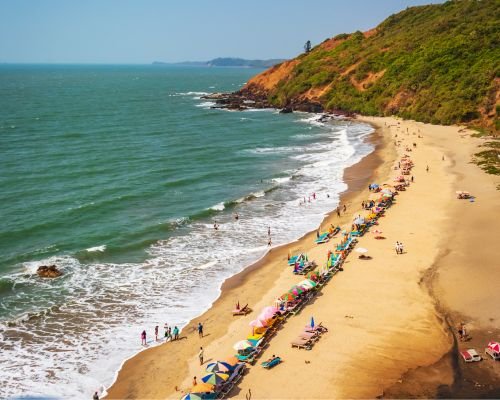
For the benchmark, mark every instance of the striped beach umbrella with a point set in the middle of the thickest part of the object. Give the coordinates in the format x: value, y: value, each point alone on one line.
x: 219, y: 366
x: 242, y: 345
x: 215, y: 378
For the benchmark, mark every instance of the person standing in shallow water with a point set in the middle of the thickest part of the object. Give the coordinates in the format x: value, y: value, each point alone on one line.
x: 156, y: 332
x: 143, y: 338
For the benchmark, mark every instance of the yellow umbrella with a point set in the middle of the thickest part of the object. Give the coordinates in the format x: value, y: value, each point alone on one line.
x: 202, y: 388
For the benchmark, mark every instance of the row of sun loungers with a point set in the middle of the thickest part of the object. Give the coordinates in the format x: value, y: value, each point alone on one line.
x: 234, y: 378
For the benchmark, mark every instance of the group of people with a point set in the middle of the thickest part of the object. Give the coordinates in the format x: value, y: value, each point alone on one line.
x: 399, y: 248
x: 170, y: 334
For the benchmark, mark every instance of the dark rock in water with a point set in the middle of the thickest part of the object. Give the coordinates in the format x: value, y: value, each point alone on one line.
x: 286, y: 110
x: 50, y: 271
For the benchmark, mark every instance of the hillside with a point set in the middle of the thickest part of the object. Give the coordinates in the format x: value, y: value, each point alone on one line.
x: 434, y: 63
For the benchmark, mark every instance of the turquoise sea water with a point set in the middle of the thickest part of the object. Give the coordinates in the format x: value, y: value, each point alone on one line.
x: 116, y: 174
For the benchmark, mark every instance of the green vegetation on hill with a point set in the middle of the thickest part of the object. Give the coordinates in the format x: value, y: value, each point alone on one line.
x: 435, y: 63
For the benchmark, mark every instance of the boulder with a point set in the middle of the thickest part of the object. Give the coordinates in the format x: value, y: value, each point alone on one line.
x: 48, y: 271
x: 286, y: 110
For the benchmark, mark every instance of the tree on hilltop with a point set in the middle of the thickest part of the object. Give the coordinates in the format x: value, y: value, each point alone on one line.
x: 307, y: 46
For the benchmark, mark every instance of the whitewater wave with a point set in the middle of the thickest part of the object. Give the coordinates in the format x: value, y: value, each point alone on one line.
x: 104, y: 306
x: 100, y: 248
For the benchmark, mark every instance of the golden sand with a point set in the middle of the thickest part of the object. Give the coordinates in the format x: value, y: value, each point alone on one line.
x: 382, y: 320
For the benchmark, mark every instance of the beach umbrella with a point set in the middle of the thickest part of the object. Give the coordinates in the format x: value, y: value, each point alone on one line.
x: 308, y: 283
x: 202, y: 388
x: 312, y: 275
x: 268, y: 311
x: 361, y: 250
x: 215, y: 378
x: 257, y: 323
x: 288, y: 297
x: 359, y: 221
x: 297, y: 290
x: 192, y: 396
x: 232, y: 361
x: 219, y: 366
x: 242, y: 345
x: 312, y: 322
x: 495, y: 346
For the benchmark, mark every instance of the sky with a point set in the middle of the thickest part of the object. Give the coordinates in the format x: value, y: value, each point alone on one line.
x: 143, y: 31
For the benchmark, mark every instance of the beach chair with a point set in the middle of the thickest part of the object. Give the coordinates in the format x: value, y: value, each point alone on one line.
x: 271, y: 362
x: 323, y: 238
x: 233, y: 379
x: 248, y: 357
x: 300, y: 343
x: 312, y: 336
x: 242, y: 311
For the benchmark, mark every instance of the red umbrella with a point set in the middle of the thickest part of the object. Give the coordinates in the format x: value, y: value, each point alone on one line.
x: 495, y: 346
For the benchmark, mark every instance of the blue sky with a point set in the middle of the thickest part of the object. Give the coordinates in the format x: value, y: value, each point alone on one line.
x: 141, y: 31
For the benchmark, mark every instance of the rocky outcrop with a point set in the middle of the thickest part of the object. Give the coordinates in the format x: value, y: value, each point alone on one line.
x: 48, y: 271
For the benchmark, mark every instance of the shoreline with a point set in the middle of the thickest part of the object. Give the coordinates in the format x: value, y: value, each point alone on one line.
x: 354, y: 182
x: 379, y: 306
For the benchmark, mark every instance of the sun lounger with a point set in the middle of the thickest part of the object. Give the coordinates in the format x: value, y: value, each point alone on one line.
x: 302, y: 344
x: 316, y: 328
x: 312, y: 336
x: 242, y: 311
x: 323, y: 238
x: 271, y: 362
x: 250, y: 357
x: 233, y: 379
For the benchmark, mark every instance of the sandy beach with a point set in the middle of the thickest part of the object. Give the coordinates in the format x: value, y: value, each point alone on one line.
x: 391, y: 319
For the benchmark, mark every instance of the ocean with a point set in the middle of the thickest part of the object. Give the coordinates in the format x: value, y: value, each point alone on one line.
x: 116, y: 174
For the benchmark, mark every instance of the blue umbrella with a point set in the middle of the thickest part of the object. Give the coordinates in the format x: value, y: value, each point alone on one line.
x: 312, y: 322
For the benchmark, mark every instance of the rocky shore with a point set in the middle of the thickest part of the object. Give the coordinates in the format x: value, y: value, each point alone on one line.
x: 246, y: 99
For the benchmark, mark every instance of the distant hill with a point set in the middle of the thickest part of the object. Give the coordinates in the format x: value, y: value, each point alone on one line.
x: 435, y: 63
x: 227, y: 62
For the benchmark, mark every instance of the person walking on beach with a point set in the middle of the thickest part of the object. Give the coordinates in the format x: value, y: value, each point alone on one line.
x: 397, y: 247
x: 427, y: 168
x: 165, y: 327
x: 401, y: 248
x: 345, y: 208
x: 338, y: 212
x: 143, y: 338
x: 176, y: 333
x: 412, y: 178
x: 194, y: 381
x: 200, y: 329
x: 200, y: 355
x: 156, y: 332
x: 170, y: 332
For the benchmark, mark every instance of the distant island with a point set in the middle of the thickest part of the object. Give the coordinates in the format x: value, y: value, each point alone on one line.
x: 227, y: 62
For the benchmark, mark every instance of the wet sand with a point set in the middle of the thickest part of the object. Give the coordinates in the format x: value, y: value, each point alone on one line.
x: 389, y: 318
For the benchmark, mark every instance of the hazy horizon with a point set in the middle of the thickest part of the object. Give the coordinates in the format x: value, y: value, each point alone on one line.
x: 137, y: 33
